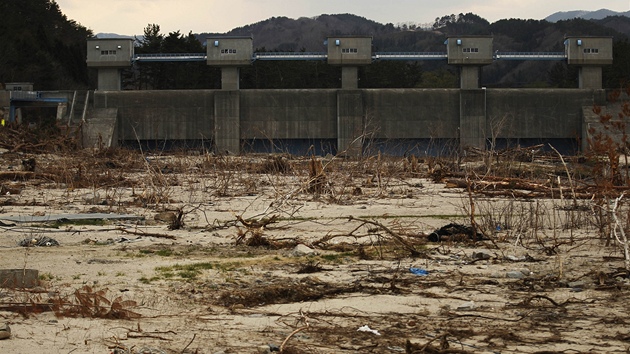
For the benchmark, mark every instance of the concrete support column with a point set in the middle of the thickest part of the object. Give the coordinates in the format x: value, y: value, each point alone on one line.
x: 350, y: 125
x: 349, y: 78
x: 227, y: 125
x: 469, y: 77
x: 472, y: 118
x: 590, y: 77
x: 109, y: 79
x: 230, y: 76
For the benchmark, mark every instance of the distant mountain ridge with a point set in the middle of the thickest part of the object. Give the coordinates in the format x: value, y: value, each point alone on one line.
x: 309, y: 33
x: 587, y: 15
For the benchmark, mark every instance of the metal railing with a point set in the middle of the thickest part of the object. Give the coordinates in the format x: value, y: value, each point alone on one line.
x: 166, y: 57
x: 409, y: 56
x: 529, y: 56
x: 290, y: 56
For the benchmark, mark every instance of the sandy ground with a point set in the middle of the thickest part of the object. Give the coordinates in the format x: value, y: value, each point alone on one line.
x: 336, y: 263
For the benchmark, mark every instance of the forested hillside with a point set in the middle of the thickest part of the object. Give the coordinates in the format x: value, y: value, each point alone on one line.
x: 39, y: 44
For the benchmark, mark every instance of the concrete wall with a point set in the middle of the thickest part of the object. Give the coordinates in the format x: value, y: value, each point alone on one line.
x: 159, y: 115
x: 231, y: 117
x: 288, y: 114
x: 412, y: 113
x: 539, y: 113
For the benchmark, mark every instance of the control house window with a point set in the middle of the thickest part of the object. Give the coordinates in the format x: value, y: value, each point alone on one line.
x: 228, y: 51
x: 108, y: 52
x: 349, y: 50
x: 591, y: 50
x: 470, y: 50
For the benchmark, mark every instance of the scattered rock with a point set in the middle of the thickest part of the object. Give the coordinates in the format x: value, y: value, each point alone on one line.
x: 576, y: 284
x: 302, y: 250
x: 5, y: 331
x: 481, y: 255
x: 515, y: 274
x: 263, y: 349
x: 165, y: 216
x: 466, y: 306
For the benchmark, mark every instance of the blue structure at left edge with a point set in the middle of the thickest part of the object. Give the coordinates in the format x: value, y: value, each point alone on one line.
x: 22, y: 95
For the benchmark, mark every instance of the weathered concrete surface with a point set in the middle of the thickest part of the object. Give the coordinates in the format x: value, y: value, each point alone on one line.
x: 539, y: 113
x: 472, y: 118
x: 288, y: 114
x: 231, y: 117
x: 412, y: 113
x: 161, y: 115
x: 100, y: 130
x: 227, y: 121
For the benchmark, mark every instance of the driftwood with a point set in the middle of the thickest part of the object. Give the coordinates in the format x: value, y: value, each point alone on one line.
x: 502, y: 183
x: 518, y: 187
x: 257, y: 224
x: 149, y: 234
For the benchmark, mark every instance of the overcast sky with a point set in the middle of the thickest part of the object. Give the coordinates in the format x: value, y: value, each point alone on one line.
x: 130, y: 17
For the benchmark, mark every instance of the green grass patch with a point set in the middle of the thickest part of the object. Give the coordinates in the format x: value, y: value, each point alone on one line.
x: 145, y: 280
x: 165, y: 252
x: 46, y: 276
x: 337, y: 258
x: 186, y: 271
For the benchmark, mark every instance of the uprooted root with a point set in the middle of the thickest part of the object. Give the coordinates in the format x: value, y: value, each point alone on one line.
x: 306, y: 289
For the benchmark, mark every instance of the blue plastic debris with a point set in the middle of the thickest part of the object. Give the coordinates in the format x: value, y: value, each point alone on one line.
x: 419, y: 271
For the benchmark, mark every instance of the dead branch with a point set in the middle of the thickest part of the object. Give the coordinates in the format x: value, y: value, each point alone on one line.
x: 406, y: 245
x: 189, y: 343
x: 146, y: 335
x: 24, y: 308
x: 142, y: 233
x: 553, y: 302
x: 257, y: 224
x: 306, y: 326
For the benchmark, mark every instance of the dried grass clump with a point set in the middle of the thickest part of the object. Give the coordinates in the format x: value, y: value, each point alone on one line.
x: 274, y: 165
x: 88, y: 302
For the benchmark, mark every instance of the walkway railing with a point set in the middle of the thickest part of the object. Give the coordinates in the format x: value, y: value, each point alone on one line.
x: 409, y: 56
x: 290, y: 56
x: 530, y: 56
x: 405, y: 56
x: 166, y: 57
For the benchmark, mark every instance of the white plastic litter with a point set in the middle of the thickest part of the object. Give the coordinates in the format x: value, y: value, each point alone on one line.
x: 368, y: 329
